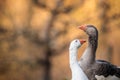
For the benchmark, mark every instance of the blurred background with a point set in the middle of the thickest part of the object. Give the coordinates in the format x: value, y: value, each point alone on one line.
x: 35, y: 35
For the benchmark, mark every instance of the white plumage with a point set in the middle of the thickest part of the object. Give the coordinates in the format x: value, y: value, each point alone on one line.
x: 77, y: 72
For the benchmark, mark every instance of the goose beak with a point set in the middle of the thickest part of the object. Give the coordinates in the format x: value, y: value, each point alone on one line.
x: 83, y: 27
x: 82, y: 41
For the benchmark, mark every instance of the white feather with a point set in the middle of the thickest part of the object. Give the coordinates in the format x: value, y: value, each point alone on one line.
x: 106, y: 78
x: 77, y: 72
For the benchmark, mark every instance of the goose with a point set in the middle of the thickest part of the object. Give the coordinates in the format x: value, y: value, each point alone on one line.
x: 77, y: 72
x: 96, y: 69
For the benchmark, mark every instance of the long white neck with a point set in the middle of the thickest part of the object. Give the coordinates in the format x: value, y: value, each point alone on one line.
x: 77, y: 72
x: 73, y: 56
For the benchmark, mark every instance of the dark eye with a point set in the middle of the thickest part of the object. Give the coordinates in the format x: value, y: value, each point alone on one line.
x: 76, y: 41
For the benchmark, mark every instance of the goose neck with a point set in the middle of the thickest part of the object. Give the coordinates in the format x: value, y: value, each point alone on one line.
x: 73, y: 56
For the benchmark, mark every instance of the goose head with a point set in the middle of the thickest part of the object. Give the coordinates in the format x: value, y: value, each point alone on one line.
x: 75, y: 44
x: 89, y: 29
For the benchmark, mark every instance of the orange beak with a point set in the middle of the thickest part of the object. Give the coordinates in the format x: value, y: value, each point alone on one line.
x: 82, y: 41
x: 83, y: 27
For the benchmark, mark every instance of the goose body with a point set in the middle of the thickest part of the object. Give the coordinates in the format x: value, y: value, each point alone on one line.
x: 96, y: 69
x: 77, y: 72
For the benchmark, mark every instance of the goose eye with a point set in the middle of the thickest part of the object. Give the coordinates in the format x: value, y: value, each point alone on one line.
x: 76, y: 41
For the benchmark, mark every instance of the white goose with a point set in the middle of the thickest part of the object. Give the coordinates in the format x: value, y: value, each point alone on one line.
x: 77, y: 72
x: 96, y: 69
